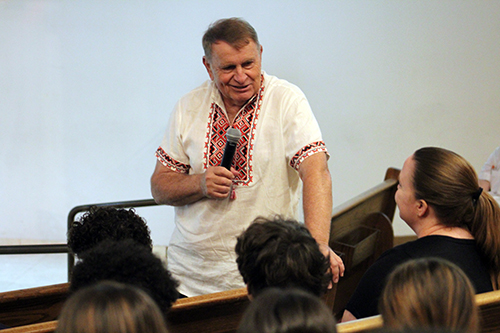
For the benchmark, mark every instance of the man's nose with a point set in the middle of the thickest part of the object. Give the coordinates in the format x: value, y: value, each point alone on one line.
x: 239, y: 74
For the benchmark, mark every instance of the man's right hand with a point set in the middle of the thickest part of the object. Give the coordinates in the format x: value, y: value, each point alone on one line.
x: 216, y: 182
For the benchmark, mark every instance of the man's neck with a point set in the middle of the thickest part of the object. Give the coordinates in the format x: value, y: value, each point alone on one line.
x: 233, y: 109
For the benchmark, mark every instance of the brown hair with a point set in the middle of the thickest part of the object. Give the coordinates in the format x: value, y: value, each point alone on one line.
x: 449, y: 184
x: 281, y: 253
x: 287, y: 311
x: 430, y: 293
x: 234, y: 31
x: 110, y: 307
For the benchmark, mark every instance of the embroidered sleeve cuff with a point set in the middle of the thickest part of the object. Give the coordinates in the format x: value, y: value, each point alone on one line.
x: 171, y: 163
x: 304, y: 152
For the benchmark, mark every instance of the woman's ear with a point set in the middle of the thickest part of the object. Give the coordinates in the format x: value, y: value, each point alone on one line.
x: 422, y: 208
x: 250, y: 297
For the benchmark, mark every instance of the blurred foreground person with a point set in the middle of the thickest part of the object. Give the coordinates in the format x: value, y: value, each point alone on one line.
x: 110, y: 307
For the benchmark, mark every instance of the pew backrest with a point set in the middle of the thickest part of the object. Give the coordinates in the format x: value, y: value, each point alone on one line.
x: 45, y: 327
x: 215, y: 313
x: 489, y: 311
x: 360, y: 325
x: 32, y: 305
x: 361, y: 230
x: 379, y: 198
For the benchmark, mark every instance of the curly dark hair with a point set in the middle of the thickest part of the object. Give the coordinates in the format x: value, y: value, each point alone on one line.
x: 107, y: 223
x: 126, y: 262
x: 281, y: 253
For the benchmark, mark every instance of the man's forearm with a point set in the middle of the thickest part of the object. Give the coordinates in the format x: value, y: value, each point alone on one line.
x: 317, y: 201
x: 317, y: 205
x: 175, y: 189
x: 317, y: 197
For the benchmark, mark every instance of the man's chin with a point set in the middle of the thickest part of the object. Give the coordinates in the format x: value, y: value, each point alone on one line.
x: 242, y: 98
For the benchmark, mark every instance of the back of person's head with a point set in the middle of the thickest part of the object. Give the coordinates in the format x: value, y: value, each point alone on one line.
x: 287, y: 311
x: 281, y: 253
x: 449, y: 184
x: 234, y: 31
x: 107, y: 223
x: 130, y: 263
x: 110, y: 307
x: 429, y: 293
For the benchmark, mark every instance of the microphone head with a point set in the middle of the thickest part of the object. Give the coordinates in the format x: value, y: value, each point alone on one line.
x: 233, y: 135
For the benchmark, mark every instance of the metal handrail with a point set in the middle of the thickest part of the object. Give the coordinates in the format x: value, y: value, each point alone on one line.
x: 34, y: 249
x: 63, y: 248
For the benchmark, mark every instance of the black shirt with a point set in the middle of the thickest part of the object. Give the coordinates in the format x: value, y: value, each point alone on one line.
x: 462, y: 252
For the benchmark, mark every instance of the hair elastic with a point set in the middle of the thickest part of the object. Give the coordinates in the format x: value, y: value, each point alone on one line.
x: 476, y: 195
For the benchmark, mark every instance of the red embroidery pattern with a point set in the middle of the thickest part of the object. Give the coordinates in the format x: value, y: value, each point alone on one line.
x: 169, y: 162
x: 310, y: 149
x: 216, y: 136
x: 215, y: 142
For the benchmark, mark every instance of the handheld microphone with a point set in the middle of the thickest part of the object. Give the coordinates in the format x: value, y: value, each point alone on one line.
x: 233, y: 136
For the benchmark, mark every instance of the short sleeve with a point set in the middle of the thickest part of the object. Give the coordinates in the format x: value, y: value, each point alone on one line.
x: 171, y: 152
x: 302, y: 133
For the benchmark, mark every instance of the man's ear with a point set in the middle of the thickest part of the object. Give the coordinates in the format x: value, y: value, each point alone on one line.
x: 422, y: 208
x: 207, y: 65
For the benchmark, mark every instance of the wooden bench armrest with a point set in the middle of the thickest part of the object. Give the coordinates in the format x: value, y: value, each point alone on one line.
x: 32, y: 305
x: 492, y: 297
x: 209, y: 299
x: 14, y: 295
x: 45, y: 327
x: 360, y: 325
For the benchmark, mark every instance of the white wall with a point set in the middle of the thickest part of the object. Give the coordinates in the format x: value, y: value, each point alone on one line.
x: 86, y: 88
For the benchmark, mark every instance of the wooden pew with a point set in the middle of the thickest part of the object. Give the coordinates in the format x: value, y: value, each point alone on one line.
x: 32, y: 305
x: 361, y: 325
x: 489, y: 313
x: 361, y: 229
x: 45, y: 327
x: 217, y: 312
x: 371, y: 210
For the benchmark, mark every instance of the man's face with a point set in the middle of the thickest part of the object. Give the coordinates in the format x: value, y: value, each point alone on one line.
x: 235, y: 72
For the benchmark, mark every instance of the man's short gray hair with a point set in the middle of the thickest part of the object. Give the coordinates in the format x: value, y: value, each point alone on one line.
x: 234, y: 31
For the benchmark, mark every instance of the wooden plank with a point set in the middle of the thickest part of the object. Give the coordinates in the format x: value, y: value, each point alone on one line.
x: 32, y: 305
x: 45, y: 327
x: 372, y: 209
x: 489, y: 312
x: 489, y: 309
x: 360, y: 325
x: 216, y: 312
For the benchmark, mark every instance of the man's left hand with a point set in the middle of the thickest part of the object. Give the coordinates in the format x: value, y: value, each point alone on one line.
x: 336, y: 264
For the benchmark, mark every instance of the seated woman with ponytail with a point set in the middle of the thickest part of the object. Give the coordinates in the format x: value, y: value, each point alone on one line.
x: 439, y: 198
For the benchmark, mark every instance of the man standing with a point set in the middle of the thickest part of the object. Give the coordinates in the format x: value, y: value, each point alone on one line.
x: 280, y: 145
